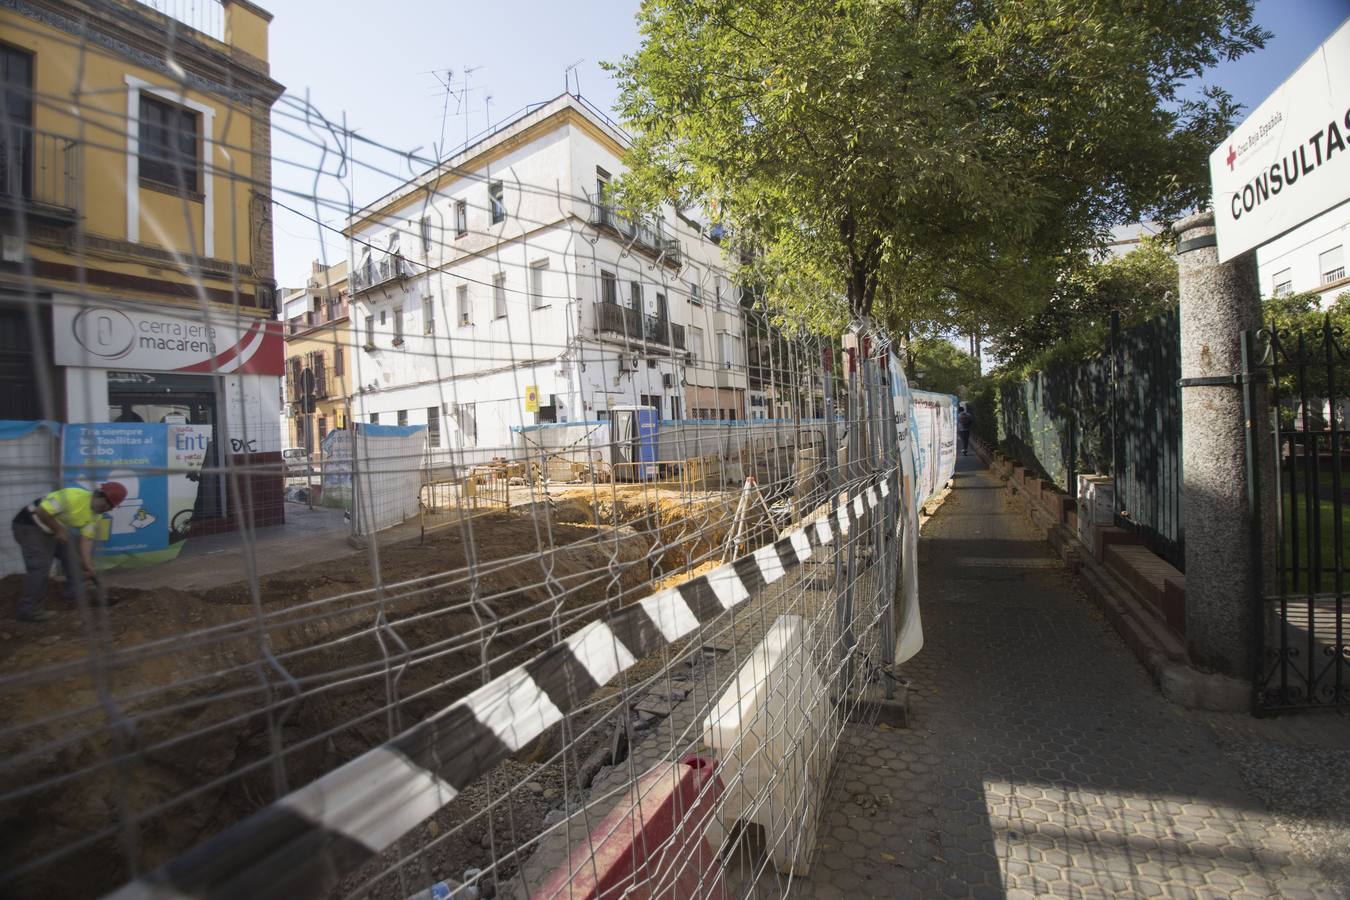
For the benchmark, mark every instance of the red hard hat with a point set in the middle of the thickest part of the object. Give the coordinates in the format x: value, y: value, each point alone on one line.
x: 114, y: 491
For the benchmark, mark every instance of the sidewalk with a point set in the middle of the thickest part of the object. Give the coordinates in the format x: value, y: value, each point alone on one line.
x: 309, y: 535
x: 1041, y: 759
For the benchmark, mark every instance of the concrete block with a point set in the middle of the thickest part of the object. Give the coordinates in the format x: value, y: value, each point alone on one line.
x: 770, y: 730
x: 1096, y: 505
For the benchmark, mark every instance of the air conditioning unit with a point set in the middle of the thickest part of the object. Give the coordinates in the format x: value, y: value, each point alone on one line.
x: 633, y: 363
x: 668, y: 380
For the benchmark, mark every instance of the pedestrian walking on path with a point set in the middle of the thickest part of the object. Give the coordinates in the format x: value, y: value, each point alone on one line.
x: 963, y: 422
x: 44, y: 529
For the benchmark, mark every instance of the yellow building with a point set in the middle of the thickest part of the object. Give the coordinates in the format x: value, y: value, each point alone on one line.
x: 318, y: 352
x: 136, y: 283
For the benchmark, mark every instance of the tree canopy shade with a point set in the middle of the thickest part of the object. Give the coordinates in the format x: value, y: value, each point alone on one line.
x: 941, y: 366
x: 924, y: 161
x: 1075, y: 320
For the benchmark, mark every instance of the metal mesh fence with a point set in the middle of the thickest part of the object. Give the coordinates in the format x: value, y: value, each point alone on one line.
x: 519, y: 550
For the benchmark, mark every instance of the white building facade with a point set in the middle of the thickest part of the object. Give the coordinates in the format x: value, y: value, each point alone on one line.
x: 498, y: 292
x: 1311, y: 258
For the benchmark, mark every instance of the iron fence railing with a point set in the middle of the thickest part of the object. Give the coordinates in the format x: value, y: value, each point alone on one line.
x: 38, y: 168
x: 1117, y: 414
x: 1300, y: 532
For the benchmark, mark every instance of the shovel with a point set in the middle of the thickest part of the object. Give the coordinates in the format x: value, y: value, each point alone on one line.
x: 95, y: 591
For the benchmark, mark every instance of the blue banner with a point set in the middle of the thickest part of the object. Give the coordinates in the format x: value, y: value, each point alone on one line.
x: 135, y: 454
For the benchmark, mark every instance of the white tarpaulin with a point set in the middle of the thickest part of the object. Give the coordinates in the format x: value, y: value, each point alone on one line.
x: 925, y: 425
x: 30, y: 452
x: 387, y: 475
x: 934, y: 420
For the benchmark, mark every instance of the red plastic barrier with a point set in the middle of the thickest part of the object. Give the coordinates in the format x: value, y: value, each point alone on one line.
x: 651, y: 845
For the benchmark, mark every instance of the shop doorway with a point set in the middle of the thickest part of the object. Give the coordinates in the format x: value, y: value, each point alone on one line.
x: 170, y: 398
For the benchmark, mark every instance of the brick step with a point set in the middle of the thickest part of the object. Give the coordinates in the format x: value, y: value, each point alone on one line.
x: 1152, y: 579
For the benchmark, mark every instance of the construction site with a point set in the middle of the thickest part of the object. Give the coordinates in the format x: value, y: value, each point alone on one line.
x: 354, y: 649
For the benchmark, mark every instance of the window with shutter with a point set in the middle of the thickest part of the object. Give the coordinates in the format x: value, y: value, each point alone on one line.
x: 167, y: 143
x: 1331, y: 263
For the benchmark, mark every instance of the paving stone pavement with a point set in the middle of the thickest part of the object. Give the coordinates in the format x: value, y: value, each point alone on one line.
x: 1040, y: 759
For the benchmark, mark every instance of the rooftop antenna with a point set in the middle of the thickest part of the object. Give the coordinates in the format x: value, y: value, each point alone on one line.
x: 487, y: 110
x: 468, y: 70
x: 445, y: 108
x: 569, y: 73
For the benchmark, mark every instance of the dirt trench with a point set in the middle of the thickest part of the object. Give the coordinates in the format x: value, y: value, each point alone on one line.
x: 191, y: 723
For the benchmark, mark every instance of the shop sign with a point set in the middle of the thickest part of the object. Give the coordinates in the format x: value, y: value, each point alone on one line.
x: 126, y: 337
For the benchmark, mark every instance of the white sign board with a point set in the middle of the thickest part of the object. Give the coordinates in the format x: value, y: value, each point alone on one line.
x: 1290, y: 160
x: 122, y: 336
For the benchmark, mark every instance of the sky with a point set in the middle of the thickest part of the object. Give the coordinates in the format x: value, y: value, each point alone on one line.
x: 383, y: 66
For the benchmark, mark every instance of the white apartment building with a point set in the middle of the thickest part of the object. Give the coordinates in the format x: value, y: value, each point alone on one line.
x: 496, y: 291
x: 1312, y: 258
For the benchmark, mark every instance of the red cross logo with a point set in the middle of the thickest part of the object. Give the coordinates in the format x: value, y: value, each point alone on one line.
x: 1231, y: 156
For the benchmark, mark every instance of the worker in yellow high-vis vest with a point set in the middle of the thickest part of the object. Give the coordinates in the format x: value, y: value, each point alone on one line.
x: 45, y: 529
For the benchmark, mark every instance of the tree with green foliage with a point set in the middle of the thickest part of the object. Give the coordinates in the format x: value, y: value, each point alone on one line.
x: 939, y: 365
x: 1301, y: 323
x: 1303, y: 313
x: 932, y: 163
x: 1075, y: 322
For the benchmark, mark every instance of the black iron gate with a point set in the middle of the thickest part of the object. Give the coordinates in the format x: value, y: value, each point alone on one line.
x: 1299, y: 478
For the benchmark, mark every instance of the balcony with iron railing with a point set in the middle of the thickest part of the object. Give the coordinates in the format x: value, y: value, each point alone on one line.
x: 205, y: 16
x: 373, y: 273
x: 39, y: 175
x: 642, y: 234
x: 616, y: 319
x: 326, y: 314
x: 313, y: 381
x: 655, y: 330
x: 636, y: 327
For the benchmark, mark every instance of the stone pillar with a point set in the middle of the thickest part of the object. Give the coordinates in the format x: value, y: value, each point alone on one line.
x: 1218, y: 303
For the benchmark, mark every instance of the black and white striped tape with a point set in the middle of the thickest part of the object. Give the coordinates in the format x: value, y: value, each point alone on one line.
x: 304, y: 843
